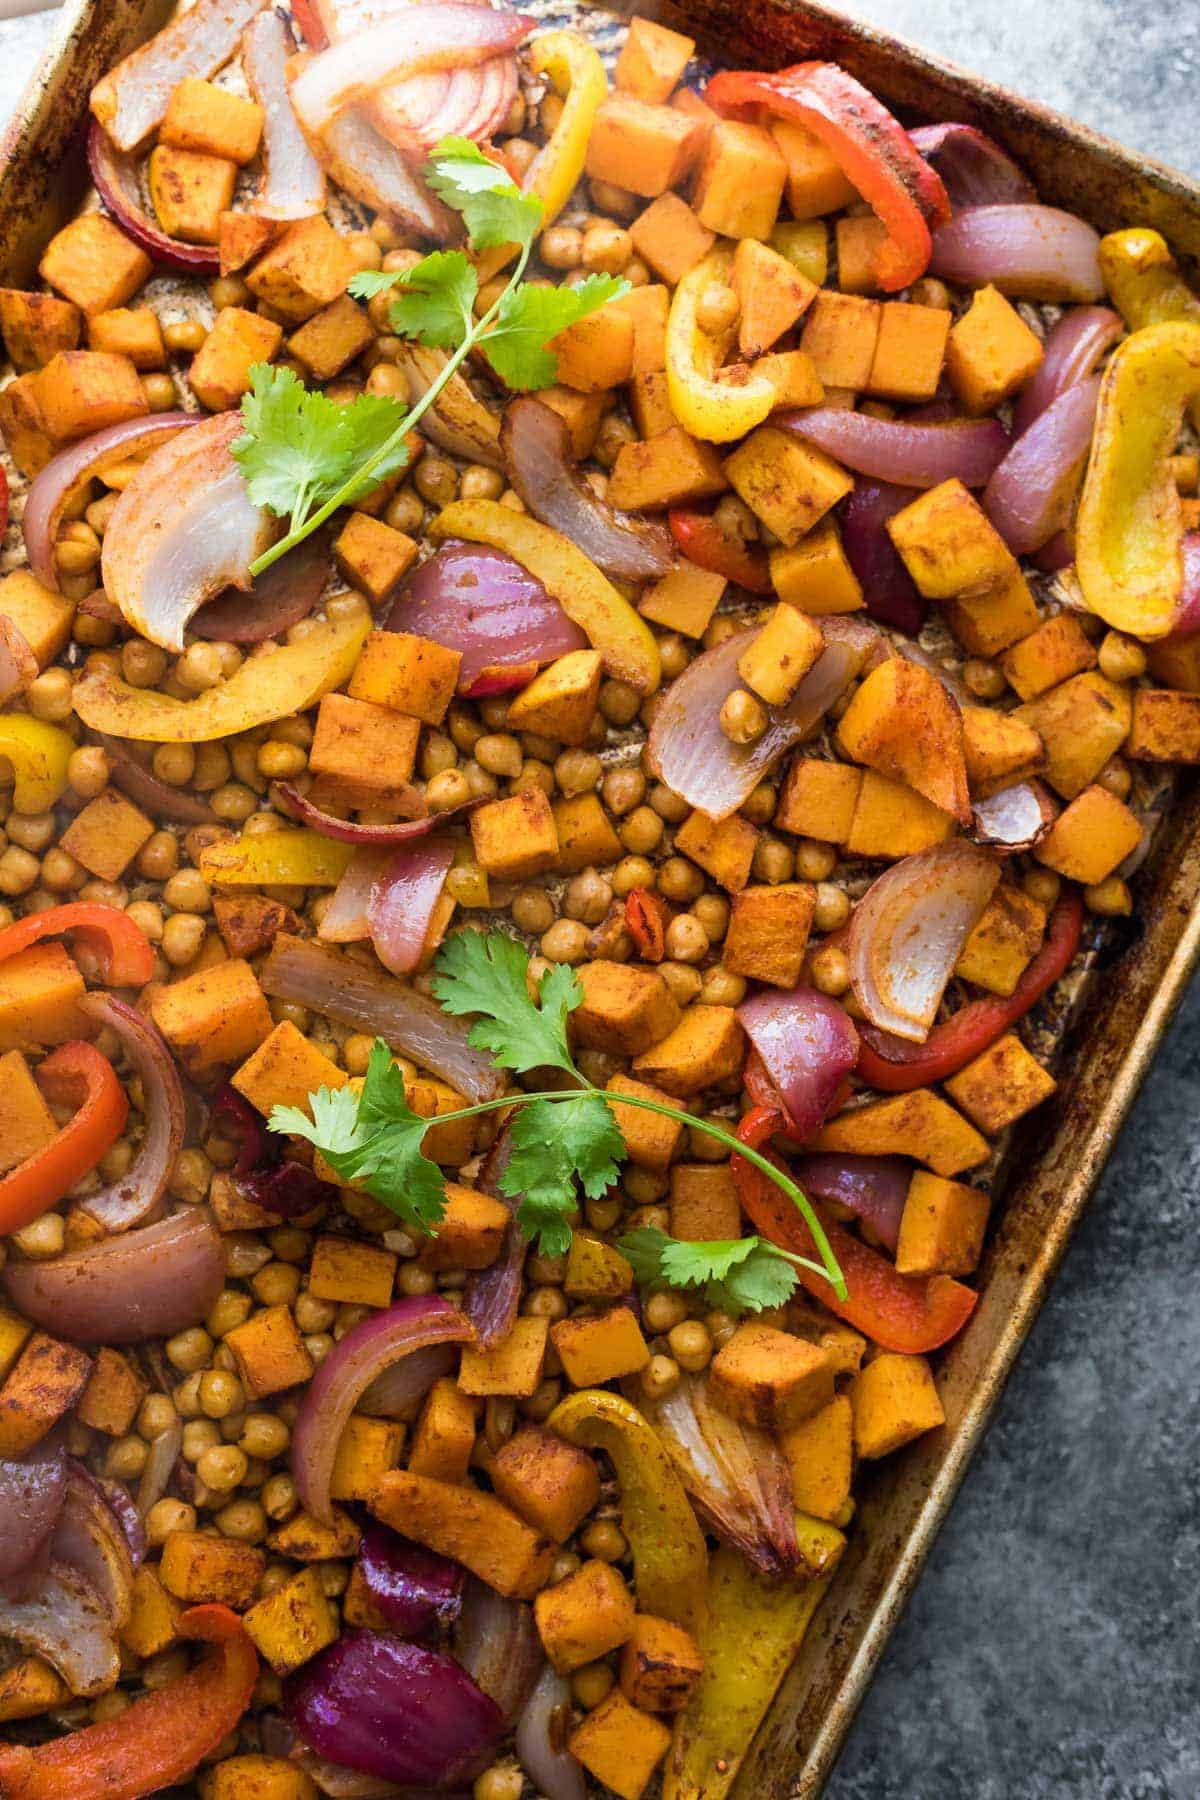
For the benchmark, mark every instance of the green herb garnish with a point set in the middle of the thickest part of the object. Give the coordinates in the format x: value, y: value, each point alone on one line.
x: 737, y: 1274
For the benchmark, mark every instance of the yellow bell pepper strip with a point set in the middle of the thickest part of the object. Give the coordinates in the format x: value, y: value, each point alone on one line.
x: 73, y: 1075
x: 276, y: 859
x: 589, y: 599
x: 704, y: 404
x: 670, y: 1562
x: 39, y: 754
x: 1145, y: 286
x: 1128, y: 531
x: 755, y: 1627
x: 271, y: 686
x: 578, y: 77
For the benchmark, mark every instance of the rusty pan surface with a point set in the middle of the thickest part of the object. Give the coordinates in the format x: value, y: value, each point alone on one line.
x: 1056, y: 1161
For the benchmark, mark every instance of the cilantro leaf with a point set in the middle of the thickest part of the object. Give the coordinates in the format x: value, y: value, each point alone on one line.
x: 764, y: 1280
x: 487, y: 975
x: 493, y: 208
x: 297, y: 447
x: 738, y: 1275
x: 435, y: 301
x: 374, y: 421
x: 529, y: 317
x: 555, y: 1143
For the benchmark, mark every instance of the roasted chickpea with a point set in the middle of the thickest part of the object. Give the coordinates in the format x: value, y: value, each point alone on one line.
x: 1121, y: 658
x: 718, y: 308
x: 743, y: 717
x: 561, y: 247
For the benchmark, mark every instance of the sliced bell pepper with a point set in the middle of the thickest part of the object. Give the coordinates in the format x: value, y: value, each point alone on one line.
x: 755, y: 1627
x: 871, y: 146
x: 1129, y: 527
x: 1144, y: 284
x: 156, y: 1741
x: 670, y: 1559
x: 271, y: 686
x: 647, y: 916
x: 124, y: 952
x: 74, y: 1074
x: 706, y: 405
x: 276, y: 859
x: 910, y: 1313
x: 698, y: 536
x: 39, y: 754
x: 897, y: 1066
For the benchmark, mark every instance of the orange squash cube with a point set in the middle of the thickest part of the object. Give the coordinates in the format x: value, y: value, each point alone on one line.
x: 991, y: 354
x: 740, y: 181
x: 1001, y: 1085
x: 815, y: 182
x: 652, y: 60
x: 670, y: 239
x: 942, y: 1227
x: 840, y: 334
x: 910, y: 351
x: 818, y: 800
x: 643, y: 148
x: 1091, y: 838
x: 94, y: 264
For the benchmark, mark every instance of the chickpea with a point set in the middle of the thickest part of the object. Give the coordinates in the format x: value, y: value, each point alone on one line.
x: 189, y: 1350
x: 412, y: 1279
x: 604, y: 1539
x: 686, y: 939
x: 986, y: 680
x: 158, y: 858
x: 642, y: 831
x: 1109, y: 898
x: 211, y: 767
x: 42, y: 1238
x: 278, y: 1497
x: 188, y: 891
x: 680, y: 880
x: 721, y: 987
x: 199, y: 668
x: 404, y: 511
x: 561, y: 247
x: 565, y: 942
x: 244, y: 1521
x: 18, y: 871
x: 33, y: 831
x: 1043, y: 885
x: 159, y: 391
x: 264, y: 1436
x: 182, y: 937
x: 622, y: 790
x: 637, y: 274
x: 815, y: 861
x: 480, y: 784
x: 607, y: 249
x: 684, y: 982
x: 712, y: 910
x: 545, y: 1303
x: 49, y: 696
x: 221, y: 1468
x: 668, y: 805
x: 166, y: 1516
x: 592, y: 1684
x: 229, y: 1310
x: 1116, y: 777
x: 660, y: 1377
x: 88, y: 770
x: 503, y: 1781
x: 577, y: 772
x: 533, y: 910
x: 742, y: 718
x: 184, y: 337
x: 830, y: 970
x: 480, y: 483
x: 276, y: 1285
x: 449, y: 789
x: 633, y: 872
x: 832, y: 907
x: 773, y: 861
x: 618, y: 202
x: 588, y: 897
x: 279, y: 761
x: 220, y: 1394
x: 691, y: 1345
x: 1121, y: 658
x: 77, y: 550
x: 703, y: 1145
x: 718, y: 308
x: 619, y: 702
x: 614, y: 433
x: 662, y: 1311
x: 500, y: 754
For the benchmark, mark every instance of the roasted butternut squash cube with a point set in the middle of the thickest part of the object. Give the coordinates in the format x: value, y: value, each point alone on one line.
x: 650, y: 1139
x: 41, y: 1387
x: 37, y: 326
x: 94, y: 264
x: 24, y: 429
x: 684, y: 600
x: 772, y: 294
x: 820, y: 1455
x: 332, y: 338
x: 202, y: 116
x: 839, y: 337
x: 1082, y: 723
x: 269, y: 1352
x: 948, y: 543
x: 992, y: 354
x: 197, y: 1568
x: 786, y: 483
x: 584, y: 1617
x: 1004, y: 940
x: 284, y: 1070
x: 306, y: 1540
x: 814, y: 574
x: 115, y: 1390
x: 515, y: 837
x: 26, y: 1122
x: 107, y: 834
x: 257, y: 1777
x: 190, y: 191
x: 780, y: 655
x: 370, y: 746
x: 410, y: 674
x: 740, y: 181
x: 859, y: 237
x: 1175, y: 661
x: 704, y: 1203
x: 909, y: 351
x: 1058, y: 649
x: 670, y: 239
x: 892, y: 820
x: 366, y: 1450
x: 894, y: 1401
x: 643, y: 148
x: 451, y: 1143
x: 82, y: 391
x: 919, y: 1124
x: 40, y: 991
x: 706, y: 1048
x: 153, y: 1618
x: 352, y: 1274
x: 1090, y: 838
x: 1001, y: 1085
x: 14, y: 1335
x: 220, y: 371
x: 792, y: 375
x: 768, y: 932
x: 597, y: 352
x: 815, y: 181
x: 769, y: 1378
x: 445, y: 1434
x: 43, y: 617
x: 598, y: 1347
x: 987, y: 623
x: 806, y: 245
x: 585, y: 834
x: 1165, y: 728
x: 28, y: 1687
x: 242, y: 237
x: 620, y: 1745
x: 470, y: 1233
x: 581, y: 413
x: 561, y: 701
x: 552, y: 1484
x: 648, y: 307
x: 818, y: 800
x: 290, y: 1626
x: 476, y: 1530
x: 624, y: 1009
x: 941, y: 1227
x: 306, y: 269
x: 671, y: 469
x: 216, y: 1016
x: 513, y: 1366
x: 724, y: 849
x: 132, y: 331
x: 373, y: 557
x: 902, y: 723
x: 999, y: 749
x: 660, y: 1665
x: 652, y: 60
x: 595, y: 1271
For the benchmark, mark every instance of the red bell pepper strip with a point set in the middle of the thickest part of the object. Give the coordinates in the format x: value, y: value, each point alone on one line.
x: 872, y: 147
x: 895, y: 1066
x: 698, y: 537
x: 75, y: 1073
x: 124, y: 952
x: 155, y: 1742
x: 910, y: 1313
x: 647, y: 916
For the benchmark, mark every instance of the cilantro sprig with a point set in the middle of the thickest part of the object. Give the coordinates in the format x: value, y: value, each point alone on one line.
x: 303, y: 456
x: 562, y: 1138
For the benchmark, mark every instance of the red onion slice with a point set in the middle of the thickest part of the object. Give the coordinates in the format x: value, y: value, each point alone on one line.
x: 402, y: 901
x: 809, y: 1046
x: 896, y: 450
x: 471, y: 598
x: 65, y: 1622
x: 1187, y: 613
x: 158, y: 798
x: 148, y: 1283
x: 88, y: 1539
x: 908, y: 930
x: 412, y: 1587
x: 346, y: 831
x: 136, y: 1195
x: 536, y: 445
x: 888, y: 589
x: 975, y: 171
x: 493, y: 1295
x: 397, y: 1393
x: 118, y: 179
x: 291, y: 185
x: 457, y: 420
x: 132, y: 98
x: 1032, y: 490
x: 687, y: 748
x: 278, y: 599
x: 165, y: 1450
x: 360, y: 159
x: 32, y: 1491
x: 1015, y: 819
x: 542, y: 1738
x: 1029, y: 252
x: 874, y: 1188
x: 121, y: 1504
x: 18, y: 664
x: 344, y: 920
x: 497, y: 1643
x: 65, y: 476
x: 353, y: 1363
x: 1073, y: 347
x: 184, y: 529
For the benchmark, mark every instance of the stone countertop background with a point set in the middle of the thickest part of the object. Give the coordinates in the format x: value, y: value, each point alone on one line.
x: 1052, y: 1648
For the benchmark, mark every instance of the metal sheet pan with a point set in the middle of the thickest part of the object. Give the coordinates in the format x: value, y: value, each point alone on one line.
x: 1056, y: 1162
